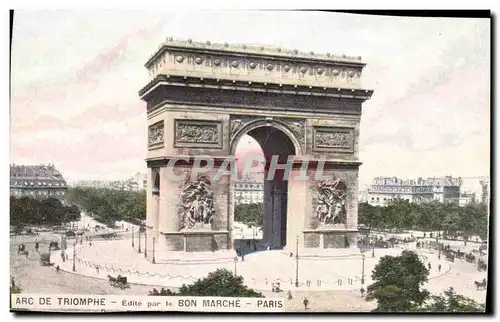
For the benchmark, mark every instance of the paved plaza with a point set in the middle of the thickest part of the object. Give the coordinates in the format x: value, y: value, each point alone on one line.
x: 320, y: 278
x: 260, y: 270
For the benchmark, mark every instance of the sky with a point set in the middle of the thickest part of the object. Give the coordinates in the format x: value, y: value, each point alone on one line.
x: 75, y: 78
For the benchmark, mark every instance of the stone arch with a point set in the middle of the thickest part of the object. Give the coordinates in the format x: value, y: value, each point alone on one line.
x: 266, y: 123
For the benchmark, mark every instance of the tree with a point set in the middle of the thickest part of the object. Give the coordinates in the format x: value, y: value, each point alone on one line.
x: 219, y: 283
x: 398, y: 281
x: 451, y: 302
x: 250, y: 214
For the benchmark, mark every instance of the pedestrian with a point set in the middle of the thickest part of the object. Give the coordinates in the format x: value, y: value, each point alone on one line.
x: 57, y: 268
x: 439, y: 268
x: 305, y: 302
x: 429, y: 265
x: 27, y: 253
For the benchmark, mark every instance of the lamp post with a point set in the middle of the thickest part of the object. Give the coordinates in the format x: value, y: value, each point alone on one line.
x: 74, y: 256
x: 235, y: 261
x: 297, y: 263
x: 139, y: 239
x: 132, y: 237
x: 154, y: 240
x: 146, y: 243
x: 363, y: 270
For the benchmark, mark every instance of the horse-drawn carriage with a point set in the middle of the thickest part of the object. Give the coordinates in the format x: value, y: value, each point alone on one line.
x: 460, y: 254
x: 481, y: 265
x: 54, y: 245
x: 450, y: 256
x: 480, y: 285
x: 119, y: 281
x: 469, y: 258
x: 21, y: 249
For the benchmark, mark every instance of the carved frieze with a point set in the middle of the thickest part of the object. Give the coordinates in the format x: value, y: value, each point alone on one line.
x: 238, y: 122
x: 199, y: 133
x: 330, y: 203
x: 333, y: 139
x: 156, y: 135
x: 197, y: 209
x: 298, y: 127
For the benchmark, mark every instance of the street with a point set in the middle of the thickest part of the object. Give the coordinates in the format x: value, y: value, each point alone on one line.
x: 35, y: 278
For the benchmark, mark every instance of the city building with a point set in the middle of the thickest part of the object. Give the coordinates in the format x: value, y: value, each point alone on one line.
x: 249, y: 190
x: 386, y: 189
x: 478, y: 186
x: 446, y: 189
x: 139, y: 181
x: 485, y: 185
x: 37, y: 181
x: 466, y: 198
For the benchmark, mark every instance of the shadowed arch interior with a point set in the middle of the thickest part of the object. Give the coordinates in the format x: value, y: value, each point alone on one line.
x: 273, y: 142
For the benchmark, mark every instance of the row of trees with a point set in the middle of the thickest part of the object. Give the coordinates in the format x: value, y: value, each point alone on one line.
x: 397, y: 287
x: 109, y: 205
x: 249, y: 214
x: 435, y: 216
x: 27, y: 211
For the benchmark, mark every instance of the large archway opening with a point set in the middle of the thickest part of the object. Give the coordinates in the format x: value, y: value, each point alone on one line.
x: 263, y: 141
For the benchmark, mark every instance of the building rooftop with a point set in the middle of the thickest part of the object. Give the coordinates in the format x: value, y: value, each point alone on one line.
x: 45, y: 175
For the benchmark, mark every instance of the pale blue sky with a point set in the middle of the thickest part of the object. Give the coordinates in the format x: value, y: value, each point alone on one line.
x: 75, y: 78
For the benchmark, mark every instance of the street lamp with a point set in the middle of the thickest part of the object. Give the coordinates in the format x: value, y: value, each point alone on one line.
x: 363, y: 270
x: 139, y: 239
x: 132, y: 237
x: 146, y: 243
x: 74, y: 256
x: 154, y: 240
x: 297, y: 263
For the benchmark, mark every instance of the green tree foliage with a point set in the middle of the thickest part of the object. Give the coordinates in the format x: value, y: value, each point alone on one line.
x: 434, y: 216
x: 451, y: 302
x: 397, y: 283
x: 219, y: 283
x: 110, y: 205
x: 26, y: 211
x: 249, y: 214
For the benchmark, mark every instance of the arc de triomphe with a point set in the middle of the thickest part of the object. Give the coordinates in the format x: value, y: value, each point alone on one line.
x: 203, y: 97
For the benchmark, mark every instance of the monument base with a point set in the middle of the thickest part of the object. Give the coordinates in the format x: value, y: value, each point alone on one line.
x: 199, y: 238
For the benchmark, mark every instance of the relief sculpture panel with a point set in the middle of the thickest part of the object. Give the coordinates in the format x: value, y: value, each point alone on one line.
x: 333, y: 139
x: 198, y: 134
x: 238, y: 122
x: 331, y: 203
x: 298, y: 127
x: 197, y: 204
x: 156, y: 135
